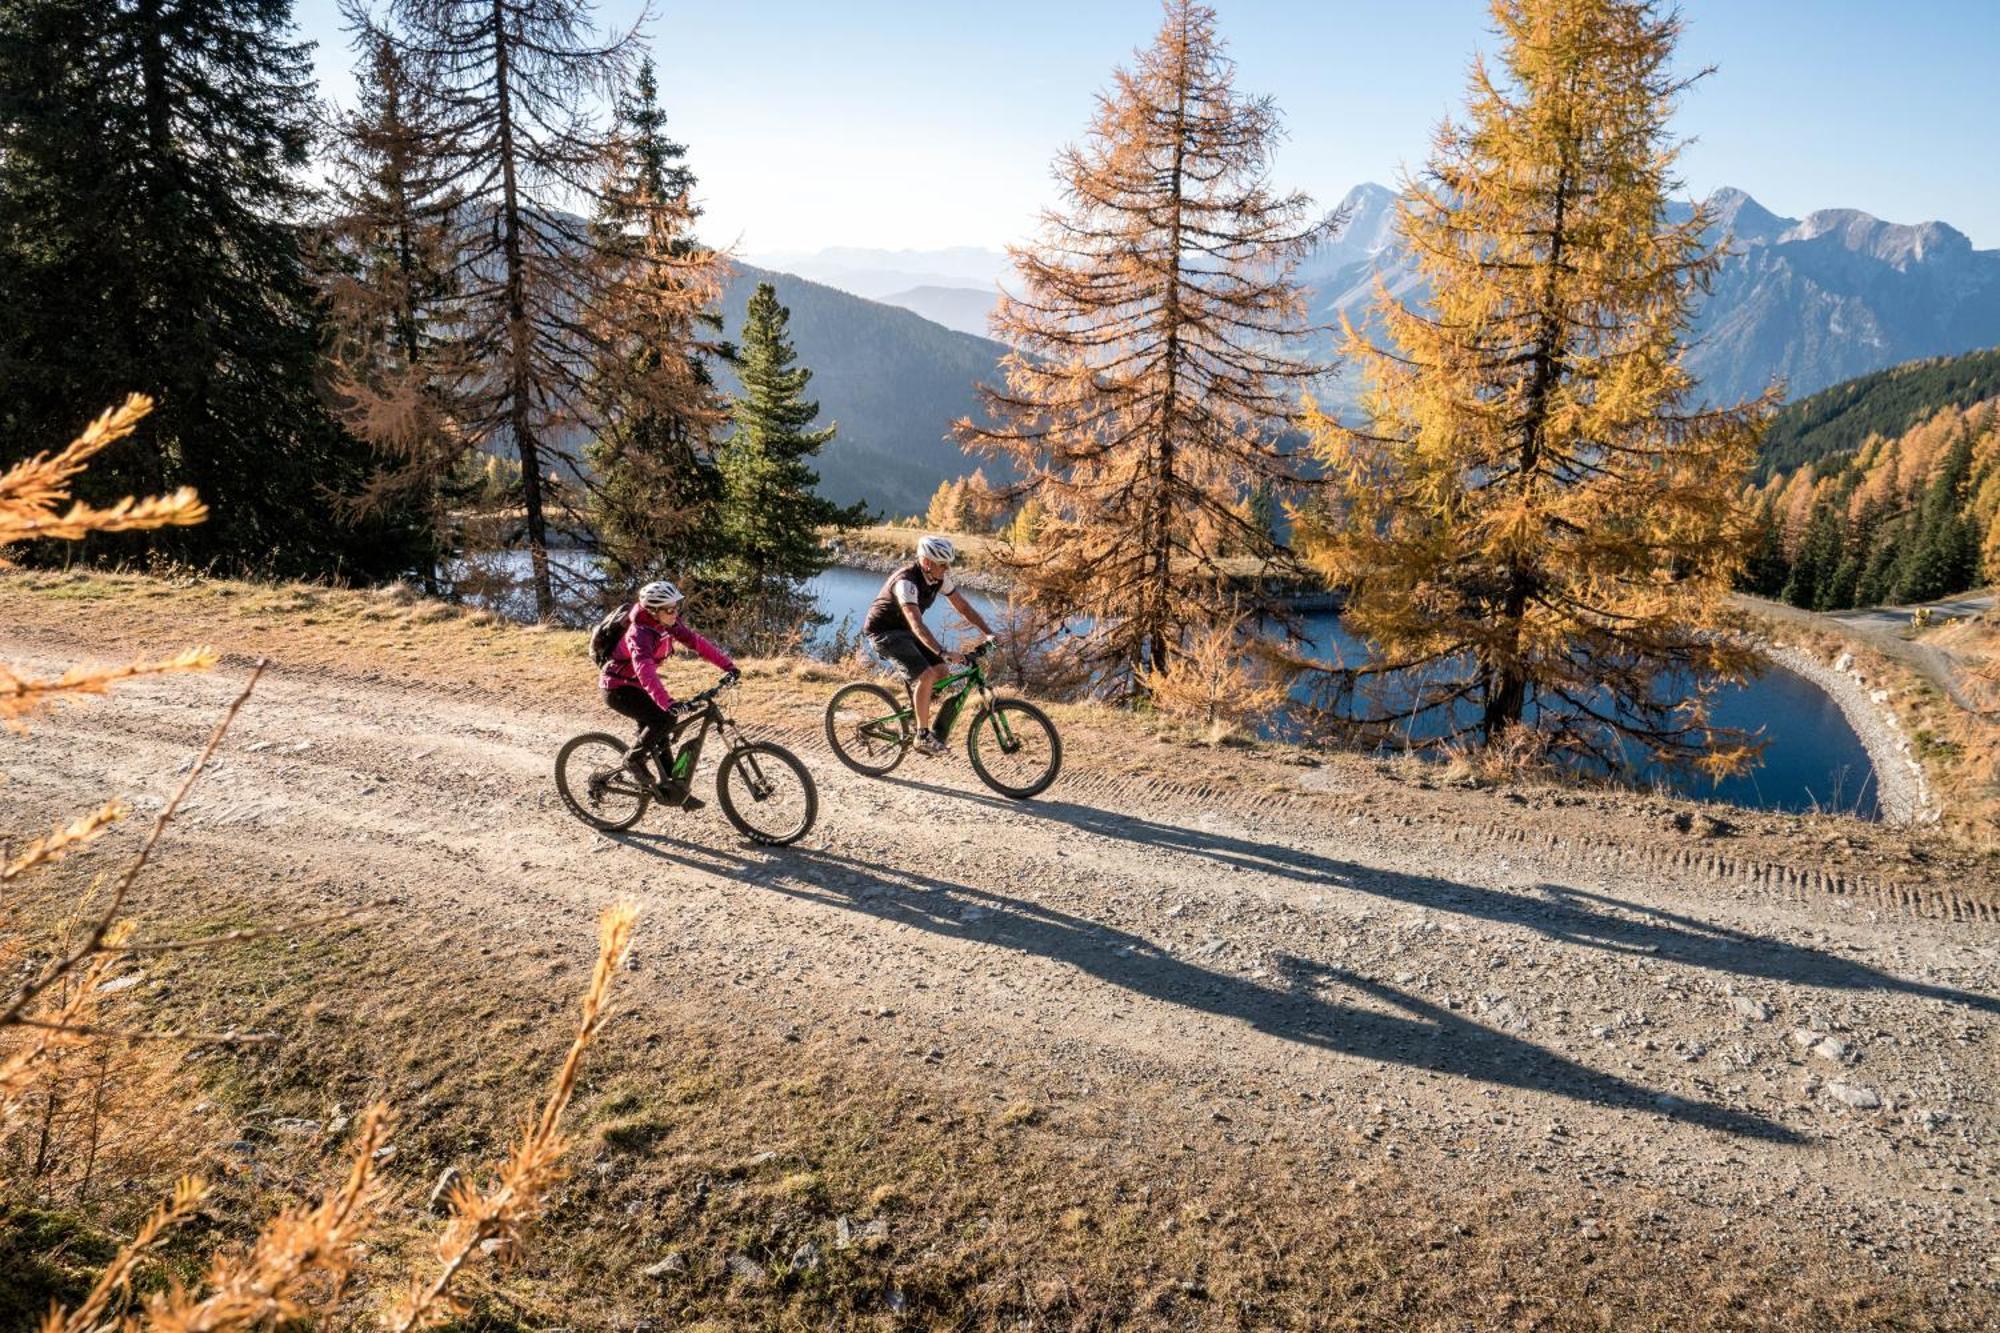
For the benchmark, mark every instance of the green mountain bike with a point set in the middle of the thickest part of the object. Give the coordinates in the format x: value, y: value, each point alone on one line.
x: 1013, y: 746
x: 764, y: 790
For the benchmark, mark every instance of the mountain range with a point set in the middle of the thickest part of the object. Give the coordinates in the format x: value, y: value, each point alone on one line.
x: 1806, y: 302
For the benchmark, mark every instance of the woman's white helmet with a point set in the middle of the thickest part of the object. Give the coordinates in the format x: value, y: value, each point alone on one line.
x: 659, y: 595
x: 937, y: 548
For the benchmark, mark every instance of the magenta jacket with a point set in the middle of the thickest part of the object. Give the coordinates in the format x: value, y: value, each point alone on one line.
x: 646, y: 643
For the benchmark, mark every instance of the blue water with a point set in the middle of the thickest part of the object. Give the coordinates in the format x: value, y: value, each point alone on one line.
x: 1812, y: 758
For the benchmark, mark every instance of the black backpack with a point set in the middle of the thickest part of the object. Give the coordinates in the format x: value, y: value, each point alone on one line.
x: 604, y: 639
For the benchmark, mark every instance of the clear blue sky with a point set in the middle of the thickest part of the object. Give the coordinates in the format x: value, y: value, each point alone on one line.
x: 926, y: 123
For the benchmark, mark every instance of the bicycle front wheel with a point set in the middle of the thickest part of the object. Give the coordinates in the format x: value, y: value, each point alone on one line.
x: 591, y: 775
x: 767, y: 793
x: 867, y: 728
x: 1014, y: 748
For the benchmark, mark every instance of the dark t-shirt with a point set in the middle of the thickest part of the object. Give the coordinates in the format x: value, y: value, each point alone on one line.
x: 906, y: 585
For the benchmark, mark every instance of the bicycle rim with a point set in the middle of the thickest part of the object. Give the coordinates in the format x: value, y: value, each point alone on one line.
x: 767, y: 793
x: 867, y: 729
x: 591, y: 776
x: 1014, y: 748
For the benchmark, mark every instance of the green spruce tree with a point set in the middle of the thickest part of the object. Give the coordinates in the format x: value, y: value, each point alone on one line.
x: 655, y: 485
x: 771, y: 517
x: 1943, y: 553
x: 151, y: 154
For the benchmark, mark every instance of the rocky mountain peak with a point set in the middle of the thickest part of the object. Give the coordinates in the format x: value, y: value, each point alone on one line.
x: 1894, y: 243
x: 1739, y: 216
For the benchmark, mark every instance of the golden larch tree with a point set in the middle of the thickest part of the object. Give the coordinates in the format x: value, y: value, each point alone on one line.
x: 1149, y: 387
x: 1540, y: 525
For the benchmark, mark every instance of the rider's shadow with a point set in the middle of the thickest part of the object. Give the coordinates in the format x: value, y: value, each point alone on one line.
x: 1564, y: 914
x: 1311, y: 1004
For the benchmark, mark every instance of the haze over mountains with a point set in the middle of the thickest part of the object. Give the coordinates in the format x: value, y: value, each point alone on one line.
x: 1810, y: 301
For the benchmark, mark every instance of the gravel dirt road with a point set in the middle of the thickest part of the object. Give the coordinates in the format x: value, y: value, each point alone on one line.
x: 1286, y: 964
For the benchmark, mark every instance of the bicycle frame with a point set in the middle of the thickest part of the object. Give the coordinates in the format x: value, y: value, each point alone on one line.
x: 947, y: 701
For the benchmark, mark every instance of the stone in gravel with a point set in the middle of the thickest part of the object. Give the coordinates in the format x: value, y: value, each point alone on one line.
x: 116, y: 984
x: 296, y: 1127
x: 746, y: 1268
x: 1754, y: 1010
x: 805, y: 1258
x: 1590, y: 1229
x: 843, y: 1231
x: 1806, y: 1038
x: 667, y: 1267
x: 441, y: 1192
x: 1851, y: 1094
x: 1833, y: 1048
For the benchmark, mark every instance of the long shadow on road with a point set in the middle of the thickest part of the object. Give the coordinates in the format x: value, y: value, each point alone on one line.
x: 1412, y: 1032
x: 1568, y: 915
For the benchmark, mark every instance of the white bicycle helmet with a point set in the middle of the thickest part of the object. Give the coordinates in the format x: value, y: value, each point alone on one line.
x: 659, y: 595
x: 936, y: 548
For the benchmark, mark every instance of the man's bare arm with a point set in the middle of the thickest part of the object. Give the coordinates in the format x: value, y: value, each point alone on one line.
x: 970, y: 612
x: 915, y: 616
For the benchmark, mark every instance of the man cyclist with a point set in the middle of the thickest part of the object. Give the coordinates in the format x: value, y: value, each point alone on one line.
x: 632, y: 686
x: 895, y: 626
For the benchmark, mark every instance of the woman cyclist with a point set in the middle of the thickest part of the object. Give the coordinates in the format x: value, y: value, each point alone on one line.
x: 632, y: 686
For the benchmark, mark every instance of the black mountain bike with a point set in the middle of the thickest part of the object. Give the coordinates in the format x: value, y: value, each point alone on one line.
x: 764, y: 790
x: 1013, y: 746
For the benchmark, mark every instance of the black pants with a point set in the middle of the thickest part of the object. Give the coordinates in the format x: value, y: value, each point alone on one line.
x: 656, y: 724
x: 906, y: 651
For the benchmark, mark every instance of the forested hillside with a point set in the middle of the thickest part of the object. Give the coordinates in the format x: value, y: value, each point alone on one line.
x: 1888, y: 402
x: 1910, y: 516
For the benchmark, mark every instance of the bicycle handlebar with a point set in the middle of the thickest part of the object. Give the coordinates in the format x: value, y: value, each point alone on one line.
x: 696, y: 702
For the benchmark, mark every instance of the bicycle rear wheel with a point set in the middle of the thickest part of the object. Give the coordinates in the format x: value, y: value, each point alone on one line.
x: 767, y: 793
x: 1014, y: 748
x: 590, y: 774
x: 867, y: 728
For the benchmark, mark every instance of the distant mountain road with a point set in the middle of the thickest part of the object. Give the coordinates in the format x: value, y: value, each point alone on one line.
x: 1885, y: 629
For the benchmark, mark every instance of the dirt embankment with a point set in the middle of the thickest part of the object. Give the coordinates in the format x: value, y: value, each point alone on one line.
x: 1080, y: 1056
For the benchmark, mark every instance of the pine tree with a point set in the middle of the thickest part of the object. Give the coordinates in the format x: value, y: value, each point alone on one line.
x: 1149, y: 387
x: 389, y: 261
x: 656, y: 486
x: 522, y: 146
x: 1941, y: 556
x: 150, y: 202
x: 771, y: 518
x: 1538, y: 521
x: 1816, y: 566
x: 1767, y: 569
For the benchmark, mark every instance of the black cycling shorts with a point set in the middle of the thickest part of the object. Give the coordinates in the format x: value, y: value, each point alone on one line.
x: 906, y: 651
